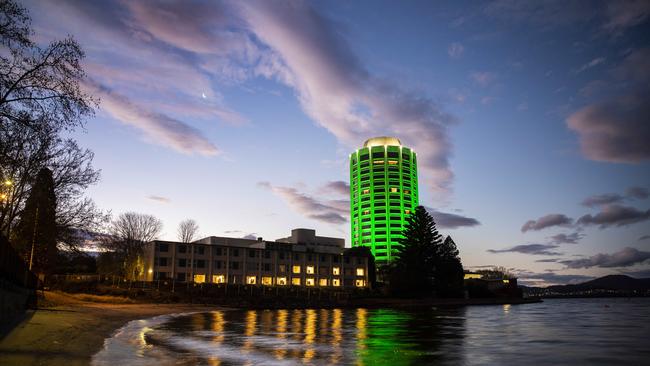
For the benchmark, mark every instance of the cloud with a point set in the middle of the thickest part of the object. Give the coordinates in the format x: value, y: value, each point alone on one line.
x: 337, y: 91
x: 544, y: 279
x: 534, y: 249
x: 483, y: 78
x: 157, y: 128
x: 336, y: 187
x: 626, y: 257
x: 332, y: 211
x: 642, y: 273
x: 625, y: 14
x: 638, y: 193
x: 549, y: 260
x: 593, y: 63
x: 447, y: 220
x: 615, y: 129
x: 546, y: 222
x: 572, y: 238
x: 602, y: 199
x: 251, y: 236
x: 644, y: 237
x: 455, y: 50
x: 159, y: 199
x: 614, y: 215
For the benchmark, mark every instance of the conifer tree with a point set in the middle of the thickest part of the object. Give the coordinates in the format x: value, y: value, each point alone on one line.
x: 413, y: 272
x: 35, y: 234
x: 449, y: 270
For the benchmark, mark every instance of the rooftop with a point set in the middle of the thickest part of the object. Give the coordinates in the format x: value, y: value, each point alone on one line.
x: 382, y: 141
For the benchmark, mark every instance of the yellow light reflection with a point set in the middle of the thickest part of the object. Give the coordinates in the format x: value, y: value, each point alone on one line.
x: 281, y: 332
x: 506, y: 308
x: 337, y: 336
x: 251, y: 325
x: 310, y: 335
x: 362, y: 319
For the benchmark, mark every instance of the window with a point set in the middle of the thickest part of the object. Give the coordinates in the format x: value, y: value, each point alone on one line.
x: 295, y: 269
x: 182, y: 248
x: 359, y: 283
x: 199, y: 249
x: 199, y: 278
x: 234, y: 265
x: 360, y: 271
x: 377, y: 154
x: 218, y: 251
x: 235, y: 252
x: 366, y: 212
x: 281, y: 255
x: 163, y: 247
x: 336, y: 282
x: 180, y: 277
x: 310, y: 281
x: 217, y: 264
x: 267, y: 254
x: 336, y: 271
x: 218, y: 279
x: 162, y: 261
x: 407, y: 191
x: 281, y: 281
x: 392, y: 162
x: 267, y: 281
x: 322, y: 282
x: 251, y: 253
x: 310, y: 270
x: 365, y: 191
x: 267, y: 267
x: 335, y: 259
x: 251, y: 280
x: 296, y: 256
x: 393, y: 190
x: 182, y: 262
x: 407, y: 212
x: 295, y: 281
x: 322, y: 258
x: 282, y: 268
x: 393, y: 154
x: 199, y: 263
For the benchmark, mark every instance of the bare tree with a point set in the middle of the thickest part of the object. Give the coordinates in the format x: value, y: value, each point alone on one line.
x: 187, y: 231
x: 40, y: 99
x: 127, y: 235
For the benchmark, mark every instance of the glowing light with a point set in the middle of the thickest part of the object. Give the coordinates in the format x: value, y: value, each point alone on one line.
x: 296, y: 269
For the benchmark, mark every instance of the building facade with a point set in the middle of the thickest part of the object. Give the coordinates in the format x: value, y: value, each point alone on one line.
x: 383, y: 192
x: 302, y: 259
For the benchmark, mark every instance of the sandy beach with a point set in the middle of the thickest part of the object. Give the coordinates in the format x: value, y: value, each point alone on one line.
x: 69, y: 330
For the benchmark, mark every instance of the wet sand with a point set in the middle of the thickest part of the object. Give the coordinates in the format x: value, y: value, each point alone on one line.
x: 70, y: 331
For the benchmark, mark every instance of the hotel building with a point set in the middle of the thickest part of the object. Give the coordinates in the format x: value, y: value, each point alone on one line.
x: 302, y: 259
x: 383, y: 192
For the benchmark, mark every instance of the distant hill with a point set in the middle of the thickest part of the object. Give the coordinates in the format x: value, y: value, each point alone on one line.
x: 612, y: 285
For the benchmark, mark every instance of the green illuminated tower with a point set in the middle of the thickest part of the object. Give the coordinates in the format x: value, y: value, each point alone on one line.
x: 383, y: 192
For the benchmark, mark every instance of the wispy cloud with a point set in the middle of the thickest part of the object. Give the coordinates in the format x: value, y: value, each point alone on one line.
x: 534, y: 249
x: 160, y: 199
x: 572, y: 238
x: 546, y: 222
x: 626, y: 257
x: 483, y: 78
x: 336, y: 187
x: 593, y: 63
x: 455, y: 50
x: 330, y: 211
x: 447, y: 220
x: 632, y: 193
x: 157, y: 128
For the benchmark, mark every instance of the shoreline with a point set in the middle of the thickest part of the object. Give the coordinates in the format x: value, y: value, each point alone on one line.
x: 70, y: 329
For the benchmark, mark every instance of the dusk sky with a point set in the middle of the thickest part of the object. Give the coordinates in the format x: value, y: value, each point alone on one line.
x: 530, y: 119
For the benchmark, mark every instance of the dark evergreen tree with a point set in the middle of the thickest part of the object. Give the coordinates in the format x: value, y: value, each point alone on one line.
x: 448, y: 270
x: 37, y: 225
x: 413, y: 270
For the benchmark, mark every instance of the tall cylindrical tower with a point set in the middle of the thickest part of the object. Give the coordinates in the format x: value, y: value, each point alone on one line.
x: 383, y: 192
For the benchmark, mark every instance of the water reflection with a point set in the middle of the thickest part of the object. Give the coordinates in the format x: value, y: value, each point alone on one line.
x: 323, y: 336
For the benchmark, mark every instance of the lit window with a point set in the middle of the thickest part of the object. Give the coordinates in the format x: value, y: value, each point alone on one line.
x: 251, y: 280
x: 407, y: 212
x: 218, y: 279
x: 310, y: 282
x: 359, y: 283
x: 336, y: 282
x: 360, y: 271
x: 365, y: 191
x: 322, y: 282
x: 336, y: 271
x: 199, y: 278
x: 267, y: 281
x: 366, y: 212
x: 295, y: 281
x: 506, y: 281
x: 392, y: 162
x: 296, y: 269
x: 378, y: 162
x: 407, y: 191
x: 282, y: 268
x: 393, y: 190
x: 281, y: 281
x: 310, y: 270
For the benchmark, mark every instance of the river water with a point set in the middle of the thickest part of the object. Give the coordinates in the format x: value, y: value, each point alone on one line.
x: 555, y: 332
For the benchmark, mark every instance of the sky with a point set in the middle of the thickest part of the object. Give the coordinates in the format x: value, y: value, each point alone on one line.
x: 530, y: 119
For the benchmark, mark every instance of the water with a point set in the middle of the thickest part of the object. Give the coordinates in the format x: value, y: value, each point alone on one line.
x: 555, y: 332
